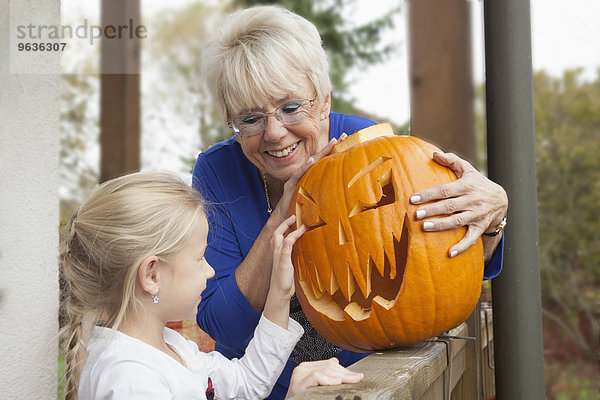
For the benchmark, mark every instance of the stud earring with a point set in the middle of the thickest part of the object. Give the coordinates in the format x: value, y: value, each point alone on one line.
x: 155, y: 299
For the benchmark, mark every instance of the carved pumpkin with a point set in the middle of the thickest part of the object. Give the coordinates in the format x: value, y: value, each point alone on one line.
x: 366, y: 275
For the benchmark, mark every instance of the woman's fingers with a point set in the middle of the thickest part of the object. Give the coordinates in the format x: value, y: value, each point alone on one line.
x: 466, y: 242
x: 293, y: 181
x: 444, y: 207
x: 442, y: 191
x: 460, y: 168
x: 299, y: 173
x: 290, y: 184
x: 454, y: 162
x: 326, y: 150
x: 472, y: 200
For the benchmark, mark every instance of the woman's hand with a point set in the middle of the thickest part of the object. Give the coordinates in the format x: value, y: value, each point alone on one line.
x: 289, y: 187
x: 282, y: 274
x: 472, y: 201
x: 320, y: 373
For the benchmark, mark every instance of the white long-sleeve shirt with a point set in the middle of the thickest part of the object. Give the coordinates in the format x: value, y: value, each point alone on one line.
x: 121, y: 367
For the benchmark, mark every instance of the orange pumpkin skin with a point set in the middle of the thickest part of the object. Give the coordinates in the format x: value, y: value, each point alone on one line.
x: 366, y: 275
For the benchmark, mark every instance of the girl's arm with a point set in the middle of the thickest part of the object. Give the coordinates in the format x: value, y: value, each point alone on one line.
x: 251, y: 275
x: 255, y: 374
x: 277, y: 305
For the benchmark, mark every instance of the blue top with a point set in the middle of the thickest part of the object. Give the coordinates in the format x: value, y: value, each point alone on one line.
x: 237, y: 211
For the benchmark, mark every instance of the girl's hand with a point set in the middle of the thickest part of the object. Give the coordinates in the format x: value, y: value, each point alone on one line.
x: 277, y: 305
x: 320, y: 373
x: 282, y: 276
x: 472, y: 201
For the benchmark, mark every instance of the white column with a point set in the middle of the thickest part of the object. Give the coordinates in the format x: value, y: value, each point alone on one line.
x: 29, y: 146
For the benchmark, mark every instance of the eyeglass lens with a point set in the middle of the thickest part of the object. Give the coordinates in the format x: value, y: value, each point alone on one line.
x: 288, y: 114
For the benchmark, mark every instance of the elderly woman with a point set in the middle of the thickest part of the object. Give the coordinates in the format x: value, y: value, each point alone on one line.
x: 268, y: 72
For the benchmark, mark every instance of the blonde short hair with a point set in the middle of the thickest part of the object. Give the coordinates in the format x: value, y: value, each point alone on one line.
x: 257, y: 55
x: 121, y: 223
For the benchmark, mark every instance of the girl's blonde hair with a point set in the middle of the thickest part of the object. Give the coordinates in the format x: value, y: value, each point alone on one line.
x: 121, y: 223
x: 257, y: 55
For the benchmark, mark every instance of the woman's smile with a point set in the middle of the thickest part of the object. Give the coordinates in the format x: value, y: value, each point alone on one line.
x: 283, y: 154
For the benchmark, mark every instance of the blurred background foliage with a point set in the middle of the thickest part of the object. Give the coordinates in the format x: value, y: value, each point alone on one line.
x: 567, y: 120
x: 567, y: 139
x: 567, y: 116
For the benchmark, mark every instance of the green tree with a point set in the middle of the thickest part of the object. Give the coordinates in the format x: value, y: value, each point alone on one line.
x: 348, y: 47
x: 567, y: 117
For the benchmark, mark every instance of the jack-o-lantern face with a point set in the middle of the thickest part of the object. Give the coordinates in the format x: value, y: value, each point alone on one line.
x: 367, y: 277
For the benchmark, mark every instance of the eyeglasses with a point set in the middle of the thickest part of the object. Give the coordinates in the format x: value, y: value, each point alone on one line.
x: 288, y: 114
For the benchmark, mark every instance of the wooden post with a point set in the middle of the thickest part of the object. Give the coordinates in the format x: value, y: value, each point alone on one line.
x: 120, y: 88
x: 441, y: 87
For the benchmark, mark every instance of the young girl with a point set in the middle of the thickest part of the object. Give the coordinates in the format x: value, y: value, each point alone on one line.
x: 133, y: 259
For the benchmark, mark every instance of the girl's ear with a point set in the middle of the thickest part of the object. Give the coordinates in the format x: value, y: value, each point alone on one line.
x: 148, y: 275
x: 326, y: 107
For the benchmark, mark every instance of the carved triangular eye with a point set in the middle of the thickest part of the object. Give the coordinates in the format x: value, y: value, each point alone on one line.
x: 388, y: 195
x: 307, y: 210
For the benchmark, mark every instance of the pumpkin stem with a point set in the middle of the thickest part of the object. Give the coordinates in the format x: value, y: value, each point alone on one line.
x: 363, y: 135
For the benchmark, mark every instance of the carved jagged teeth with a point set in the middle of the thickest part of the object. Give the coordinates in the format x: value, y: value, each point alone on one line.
x: 387, y: 304
x: 318, y: 282
x: 379, y: 262
x: 316, y: 285
x: 375, y: 267
x: 284, y: 152
x: 350, y: 283
x: 334, y: 285
x: 356, y: 312
x: 368, y: 277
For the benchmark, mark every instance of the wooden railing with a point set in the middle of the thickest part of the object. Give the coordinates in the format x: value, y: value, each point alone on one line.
x: 487, y: 351
x: 455, y: 365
